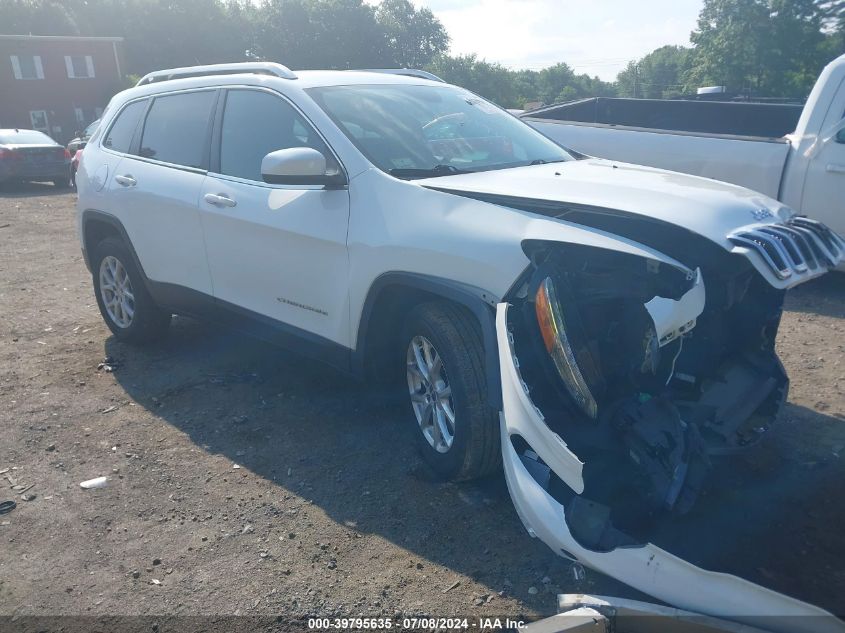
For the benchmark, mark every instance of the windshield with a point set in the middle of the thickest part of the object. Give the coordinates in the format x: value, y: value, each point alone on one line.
x: 421, y: 131
x: 89, y: 131
x: 25, y: 137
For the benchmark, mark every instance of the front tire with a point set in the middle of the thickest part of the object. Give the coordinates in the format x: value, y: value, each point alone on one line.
x: 126, y: 306
x: 456, y: 432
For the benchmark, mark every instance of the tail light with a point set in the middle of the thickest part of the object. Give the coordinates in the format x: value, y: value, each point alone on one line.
x: 63, y: 153
x: 9, y: 154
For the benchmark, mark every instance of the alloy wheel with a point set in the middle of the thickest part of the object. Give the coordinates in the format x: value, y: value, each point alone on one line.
x: 431, y: 394
x: 116, y: 291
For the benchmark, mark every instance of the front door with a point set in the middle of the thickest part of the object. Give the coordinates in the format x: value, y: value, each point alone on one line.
x: 824, y: 185
x: 277, y: 251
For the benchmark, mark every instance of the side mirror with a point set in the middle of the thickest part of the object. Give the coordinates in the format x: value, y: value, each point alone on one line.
x: 299, y: 166
x: 82, y: 145
x: 840, y: 137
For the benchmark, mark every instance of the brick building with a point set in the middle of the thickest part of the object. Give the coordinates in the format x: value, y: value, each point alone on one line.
x: 57, y: 84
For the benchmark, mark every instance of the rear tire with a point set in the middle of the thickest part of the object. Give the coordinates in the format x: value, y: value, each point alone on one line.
x: 126, y: 306
x: 444, y: 331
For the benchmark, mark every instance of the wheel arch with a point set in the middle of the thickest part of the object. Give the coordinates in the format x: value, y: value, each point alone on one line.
x: 98, y: 225
x: 391, y: 297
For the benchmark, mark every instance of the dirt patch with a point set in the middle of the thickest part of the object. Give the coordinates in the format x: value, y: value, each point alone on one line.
x: 244, y: 480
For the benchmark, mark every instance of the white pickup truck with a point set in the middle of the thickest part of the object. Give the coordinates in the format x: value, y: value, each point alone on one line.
x: 753, y: 145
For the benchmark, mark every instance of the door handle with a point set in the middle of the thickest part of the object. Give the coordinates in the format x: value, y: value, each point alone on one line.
x: 835, y: 169
x: 126, y: 181
x: 219, y: 200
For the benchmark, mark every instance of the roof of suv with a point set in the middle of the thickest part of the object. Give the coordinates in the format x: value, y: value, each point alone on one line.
x: 314, y: 78
x: 268, y: 74
x: 303, y: 79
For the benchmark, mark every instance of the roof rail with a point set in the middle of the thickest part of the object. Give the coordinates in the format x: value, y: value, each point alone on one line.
x: 408, y: 72
x: 258, y: 68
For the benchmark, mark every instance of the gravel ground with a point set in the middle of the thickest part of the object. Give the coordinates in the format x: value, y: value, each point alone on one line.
x: 243, y: 480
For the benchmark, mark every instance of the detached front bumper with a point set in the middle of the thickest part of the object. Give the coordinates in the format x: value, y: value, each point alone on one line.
x: 647, y: 568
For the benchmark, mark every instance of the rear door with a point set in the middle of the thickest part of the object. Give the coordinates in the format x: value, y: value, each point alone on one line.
x: 279, y: 251
x: 155, y: 188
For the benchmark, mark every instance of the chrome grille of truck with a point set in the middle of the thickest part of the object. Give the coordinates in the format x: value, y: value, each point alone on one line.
x: 797, y: 246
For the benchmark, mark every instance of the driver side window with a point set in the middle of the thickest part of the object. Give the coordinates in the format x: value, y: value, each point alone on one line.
x: 840, y: 135
x: 256, y: 123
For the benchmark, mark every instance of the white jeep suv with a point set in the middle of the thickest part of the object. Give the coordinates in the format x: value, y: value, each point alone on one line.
x: 540, y: 309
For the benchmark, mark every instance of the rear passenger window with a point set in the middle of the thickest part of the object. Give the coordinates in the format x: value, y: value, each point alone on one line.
x: 176, y: 128
x: 120, y: 134
x: 256, y: 123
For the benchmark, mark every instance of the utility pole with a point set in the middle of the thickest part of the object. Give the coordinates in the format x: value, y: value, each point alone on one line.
x: 636, y: 81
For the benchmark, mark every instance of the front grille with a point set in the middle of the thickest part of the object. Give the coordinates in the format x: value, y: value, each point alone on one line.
x: 798, y: 246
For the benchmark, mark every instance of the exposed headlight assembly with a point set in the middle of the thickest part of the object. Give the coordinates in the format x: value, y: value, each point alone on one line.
x: 556, y: 339
x: 595, y: 335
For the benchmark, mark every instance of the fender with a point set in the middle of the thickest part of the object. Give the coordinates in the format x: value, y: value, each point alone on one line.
x: 479, y: 302
x: 91, y: 215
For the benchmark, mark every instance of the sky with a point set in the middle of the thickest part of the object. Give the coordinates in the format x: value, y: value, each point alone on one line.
x: 597, y: 37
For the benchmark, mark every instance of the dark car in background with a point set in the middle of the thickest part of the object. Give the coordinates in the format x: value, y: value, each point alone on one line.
x: 29, y: 155
x: 80, y: 139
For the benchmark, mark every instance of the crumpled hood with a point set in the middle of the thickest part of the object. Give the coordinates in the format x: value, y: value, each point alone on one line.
x: 707, y: 207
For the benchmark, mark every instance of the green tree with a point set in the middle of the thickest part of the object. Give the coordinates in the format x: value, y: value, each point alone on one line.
x: 413, y: 37
x: 37, y: 17
x: 732, y: 43
x: 347, y: 35
x: 167, y: 33
x: 796, y: 51
x: 833, y: 17
x: 560, y: 83
x: 594, y: 87
x: 764, y: 47
x: 658, y: 75
x: 285, y: 32
x: 552, y: 81
x: 514, y: 88
x: 492, y: 81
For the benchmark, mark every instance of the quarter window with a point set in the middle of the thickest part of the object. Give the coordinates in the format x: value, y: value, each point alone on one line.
x: 176, y: 128
x: 256, y: 123
x: 120, y: 134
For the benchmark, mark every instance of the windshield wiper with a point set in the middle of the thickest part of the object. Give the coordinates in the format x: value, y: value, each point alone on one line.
x: 437, y: 170
x: 543, y: 161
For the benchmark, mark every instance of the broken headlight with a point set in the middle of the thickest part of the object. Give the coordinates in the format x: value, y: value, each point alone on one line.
x: 556, y: 338
x: 598, y: 340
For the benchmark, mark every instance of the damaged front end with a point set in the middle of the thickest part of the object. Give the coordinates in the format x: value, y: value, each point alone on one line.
x: 623, y: 390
